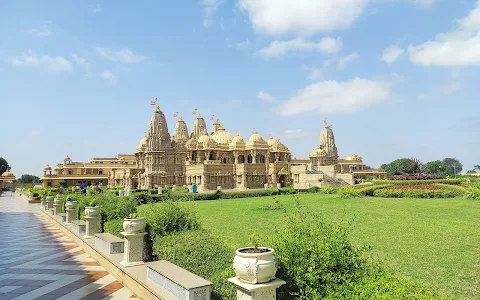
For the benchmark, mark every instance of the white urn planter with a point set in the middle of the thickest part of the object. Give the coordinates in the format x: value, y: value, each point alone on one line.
x: 92, y: 211
x: 255, y: 265
x: 71, y: 205
x: 136, y: 225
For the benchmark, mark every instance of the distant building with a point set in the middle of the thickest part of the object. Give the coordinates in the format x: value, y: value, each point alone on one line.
x: 72, y: 173
x: 210, y: 161
x: 7, y: 180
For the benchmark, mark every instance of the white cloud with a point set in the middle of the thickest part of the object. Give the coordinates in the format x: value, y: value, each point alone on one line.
x: 265, y: 97
x: 54, y: 64
x: 457, y: 48
x: 123, y: 56
x: 304, y: 17
x: 95, y: 8
x: 42, y: 31
x: 314, y: 73
x: 424, y: 3
x: 290, y: 131
x: 81, y: 62
x: 210, y: 6
x: 108, y: 76
x: 333, y: 96
x: 391, y: 54
x: 449, y: 88
x: 343, y: 61
x: 326, y: 45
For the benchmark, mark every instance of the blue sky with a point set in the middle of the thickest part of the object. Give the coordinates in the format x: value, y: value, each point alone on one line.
x: 394, y: 78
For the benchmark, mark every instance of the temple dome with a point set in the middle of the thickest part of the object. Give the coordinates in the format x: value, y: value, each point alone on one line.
x: 142, y: 145
x: 237, y: 143
x: 317, y: 152
x: 67, y: 158
x: 191, y: 144
x: 255, y: 137
x: 256, y: 141
x: 47, y: 168
x: 206, y: 142
x: 221, y: 136
x: 8, y: 173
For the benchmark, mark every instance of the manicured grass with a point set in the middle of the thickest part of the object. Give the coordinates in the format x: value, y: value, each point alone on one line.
x: 433, y: 241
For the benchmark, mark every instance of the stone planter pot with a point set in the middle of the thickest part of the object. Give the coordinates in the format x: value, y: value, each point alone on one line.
x: 134, y: 225
x: 92, y: 211
x: 43, y: 202
x: 255, y: 268
x: 219, y: 187
x: 71, y: 205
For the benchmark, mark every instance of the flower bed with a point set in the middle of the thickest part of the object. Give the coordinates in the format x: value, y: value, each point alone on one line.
x: 414, y: 187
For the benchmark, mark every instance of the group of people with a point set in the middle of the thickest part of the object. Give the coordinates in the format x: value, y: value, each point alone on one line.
x: 95, y: 187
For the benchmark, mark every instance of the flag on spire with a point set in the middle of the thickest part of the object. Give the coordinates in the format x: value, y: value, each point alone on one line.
x: 153, y: 102
x: 175, y: 114
x: 212, y: 118
x: 194, y: 112
x: 253, y: 131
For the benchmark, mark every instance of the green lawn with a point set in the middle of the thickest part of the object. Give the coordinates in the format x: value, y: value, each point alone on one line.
x: 434, y: 241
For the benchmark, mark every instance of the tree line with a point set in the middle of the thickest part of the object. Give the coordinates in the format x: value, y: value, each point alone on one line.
x: 409, y: 166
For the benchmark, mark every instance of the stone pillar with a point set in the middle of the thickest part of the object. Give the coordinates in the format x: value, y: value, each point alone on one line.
x: 133, y: 253
x: 159, y: 190
x: 57, y: 204
x: 71, y: 211
x: 92, y: 227
x: 120, y: 193
x: 43, y: 203
x: 246, y: 291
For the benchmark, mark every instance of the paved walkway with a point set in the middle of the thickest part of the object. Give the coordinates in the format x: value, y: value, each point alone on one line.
x: 37, y: 261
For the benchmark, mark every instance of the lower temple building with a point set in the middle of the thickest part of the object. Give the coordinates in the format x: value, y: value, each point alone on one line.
x: 221, y: 160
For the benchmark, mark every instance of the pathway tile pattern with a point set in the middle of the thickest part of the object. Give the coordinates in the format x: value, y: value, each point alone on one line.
x: 37, y: 261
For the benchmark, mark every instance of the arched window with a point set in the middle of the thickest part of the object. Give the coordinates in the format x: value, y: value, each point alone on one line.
x: 241, y: 159
x: 261, y: 159
x: 69, y: 172
x: 224, y: 160
x: 249, y: 159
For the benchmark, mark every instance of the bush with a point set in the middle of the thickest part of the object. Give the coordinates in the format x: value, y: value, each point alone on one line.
x: 370, y: 190
x: 315, y: 256
x: 142, y: 197
x: 416, y: 177
x: 348, y: 192
x: 168, y: 217
x: 326, y: 189
x: 202, y: 254
x: 379, y: 285
x: 396, y: 193
x: 114, y: 227
x: 473, y: 192
x: 115, y: 207
x: 410, y: 182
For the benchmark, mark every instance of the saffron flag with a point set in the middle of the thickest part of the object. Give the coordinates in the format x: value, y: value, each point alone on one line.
x: 175, y: 114
x: 194, y: 112
x: 212, y: 118
x: 153, y: 102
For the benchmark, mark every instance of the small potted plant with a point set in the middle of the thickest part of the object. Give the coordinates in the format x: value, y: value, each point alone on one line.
x: 255, y: 264
x: 92, y: 210
x: 70, y: 204
x: 134, y: 224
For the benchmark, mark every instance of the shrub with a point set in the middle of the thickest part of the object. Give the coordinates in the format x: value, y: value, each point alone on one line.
x: 202, y: 254
x: 315, y: 256
x: 114, y: 227
x: 348, y: 192
x: 370, y: 190
x: 142, y: 197
x: 473, y: 192
x: 409, y: 182
x: 397, y: 193
x: 168, y: 217
x: 326, y: 189
x: 379, y: 285
x: 114, y: 207
x: 416, y: 177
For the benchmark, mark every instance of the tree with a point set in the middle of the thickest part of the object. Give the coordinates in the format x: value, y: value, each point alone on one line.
x: 403, y: 166
x: 471, y: 171
x: 453, y: 164
x: 476, y: 167
x: 3, y: 165
x: 437, y: 167
x: 27, y: 178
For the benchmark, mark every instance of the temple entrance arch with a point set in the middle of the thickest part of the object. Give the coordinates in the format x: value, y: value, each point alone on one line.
x: 281, y: 180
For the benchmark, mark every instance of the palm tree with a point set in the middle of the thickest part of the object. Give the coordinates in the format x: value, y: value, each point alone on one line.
x: 476, y: 167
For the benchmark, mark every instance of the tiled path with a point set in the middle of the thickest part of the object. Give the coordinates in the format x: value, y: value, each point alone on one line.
x: 37, y: 261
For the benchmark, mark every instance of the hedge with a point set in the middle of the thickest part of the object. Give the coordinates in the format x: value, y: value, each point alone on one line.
x: 390, y: 193
x: 412, y: 182
x: 114, y: 227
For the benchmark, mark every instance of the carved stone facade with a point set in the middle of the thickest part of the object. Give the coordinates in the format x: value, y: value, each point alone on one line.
x: 221, y: 159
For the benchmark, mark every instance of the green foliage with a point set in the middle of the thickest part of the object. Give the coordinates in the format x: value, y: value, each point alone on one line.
x: 473, y: 192
x: 168, y: 217
x: 369, y: 190
x: 202, y: 254
x: 113, y: 207
x: 315, y: 256
x: 391, y: 193
x: 411, y: 182
x: 402, y: 166
x: 114, y: 227
x: 27, y: 178
x: 456, y: 189
x: 380, y: 285
x: 437, y: 167
x: 276, y: 205
x: 326, y: 189
x: 348, y: 192
x: 4, y: 166
x: 453, y: 164
x: 142, y: 198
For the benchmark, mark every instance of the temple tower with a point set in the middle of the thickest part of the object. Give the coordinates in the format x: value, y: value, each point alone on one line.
x: 198, y: 127
x: 327, y: 144
x: 180, y: 135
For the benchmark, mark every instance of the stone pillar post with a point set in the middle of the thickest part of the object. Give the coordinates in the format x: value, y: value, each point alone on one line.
x: 71, y: 211
x: 246, y: 291
x: 57, y: 204
x: 48, y: 203
x: 120, y: 193
x: 92, y: 226
x: 133, y: 253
